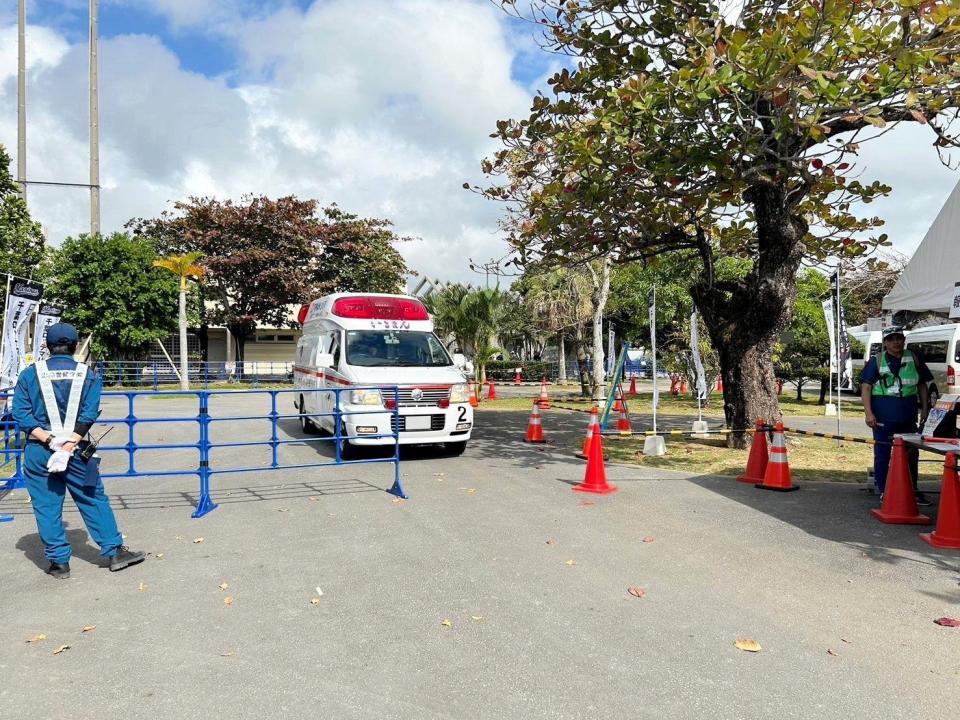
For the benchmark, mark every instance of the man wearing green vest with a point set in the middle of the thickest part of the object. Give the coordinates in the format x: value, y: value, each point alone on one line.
x: 894, y: 389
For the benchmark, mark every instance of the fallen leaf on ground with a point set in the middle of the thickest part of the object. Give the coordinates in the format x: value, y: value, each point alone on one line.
x: 832, y: 652
x: 313, y: 498
x: 571, y: 562
x: 228, y: 600
x: 37, y: 638
x: 948, y: 622
x: 637, y: 592
x: 844, y: 640
x: 179, y: 537
x: 477, y: 617
x: 747, y: 645
x: 471, y: 491
x: 159, y: 556
x: 319, y: 591
x: 648, y: 539
x: 88, y: 628
x: 586, y: 503
x: 141, y: 587
x: 27, y: 501
x: 315, y: 601
x: 397, y: 501
x: 551, y: 541
x: 229, y: 653
x: 223, y: 586
x: 283, y: 509
x: 61, y: 649
x: 446, y: 623
x: 197, y: 541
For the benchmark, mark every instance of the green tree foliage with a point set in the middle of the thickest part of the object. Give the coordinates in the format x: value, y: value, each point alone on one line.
x: 685, y: 127
x: 262, y: 256
x: 21, y: 239
x: 805, y: 346
x: 358, y: 254
x: 472, y: 317
x: 111, y: 290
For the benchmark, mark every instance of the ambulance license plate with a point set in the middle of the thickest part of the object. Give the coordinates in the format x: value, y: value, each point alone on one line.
x: 418, y: 422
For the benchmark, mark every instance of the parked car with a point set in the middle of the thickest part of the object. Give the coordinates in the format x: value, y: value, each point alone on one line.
x: 939, y: 346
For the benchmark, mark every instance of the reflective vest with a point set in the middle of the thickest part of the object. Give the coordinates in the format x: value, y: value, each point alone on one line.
x: 890, y: 385
x: 61, y: 426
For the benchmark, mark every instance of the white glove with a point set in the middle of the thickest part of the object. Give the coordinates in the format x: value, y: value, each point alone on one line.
x: 57, y: 443
x: 58, y: 461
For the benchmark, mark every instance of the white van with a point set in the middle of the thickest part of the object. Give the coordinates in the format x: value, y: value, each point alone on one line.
x: 939, y: 346
x: 872, y: 341
x: 362, y: 343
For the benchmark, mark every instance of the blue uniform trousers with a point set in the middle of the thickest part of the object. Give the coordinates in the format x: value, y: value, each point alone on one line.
x: 47, y: 491
x: 881, y: 453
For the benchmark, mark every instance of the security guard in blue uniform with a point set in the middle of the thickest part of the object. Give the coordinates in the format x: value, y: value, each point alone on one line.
x: 56, y: 403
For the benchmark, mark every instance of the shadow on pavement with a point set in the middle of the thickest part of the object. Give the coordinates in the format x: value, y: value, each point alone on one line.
x: 32, y: 548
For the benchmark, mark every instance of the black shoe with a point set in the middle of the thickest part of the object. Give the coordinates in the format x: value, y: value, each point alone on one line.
x: 58, y: 571
x: 125, y: 557
x: 923, y: 500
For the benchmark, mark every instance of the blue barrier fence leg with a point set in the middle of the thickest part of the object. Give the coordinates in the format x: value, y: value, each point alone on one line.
x: 397, y: 488
x: 274, y: 438
x: 205, y: 504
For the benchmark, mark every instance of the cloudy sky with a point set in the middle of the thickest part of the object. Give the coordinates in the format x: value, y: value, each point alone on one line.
x: 382, y: 106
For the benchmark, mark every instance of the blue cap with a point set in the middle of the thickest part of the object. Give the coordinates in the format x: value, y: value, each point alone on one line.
x: 61, y: 334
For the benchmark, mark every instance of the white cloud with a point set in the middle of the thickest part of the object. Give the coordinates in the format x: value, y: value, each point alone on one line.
x: 382, y: 107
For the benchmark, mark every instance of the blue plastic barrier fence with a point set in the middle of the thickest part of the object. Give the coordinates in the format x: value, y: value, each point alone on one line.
x: 131, y: 449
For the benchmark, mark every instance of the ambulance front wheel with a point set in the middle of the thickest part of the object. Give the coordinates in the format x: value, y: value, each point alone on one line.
x: 347, y: 451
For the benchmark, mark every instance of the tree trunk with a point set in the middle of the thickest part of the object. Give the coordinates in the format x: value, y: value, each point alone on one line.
x: 799, y: 390
x: 581, y: 351
x: 598, y: 300
x: 184, y: 357
x: 745, y: 318
x: 562, y: 360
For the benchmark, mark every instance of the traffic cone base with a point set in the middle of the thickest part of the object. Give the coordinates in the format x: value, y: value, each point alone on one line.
x: 544, y: 400
x: 947, y: 534
x: 632, y: 392
x: 757, y: 460
x: 777, y: 475
x: 595, y: 476
x: 899, y: 502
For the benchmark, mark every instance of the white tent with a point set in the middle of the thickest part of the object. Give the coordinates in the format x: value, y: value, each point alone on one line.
x: 927, y: 282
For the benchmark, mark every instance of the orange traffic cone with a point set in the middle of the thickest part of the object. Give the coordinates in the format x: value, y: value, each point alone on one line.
x: 947, y: 534
x: 544, y: 400
x: 899, y: 505
x: 633, y: 387
x: 777, y: 475
x: 491, y: 390
x: 618, y: 403
x: 719, y: 383
x: 474, y: 402
x: 683, y: 385
x: 516, y: 378
x: 595, y: 477
x: 623, y: 422
x: 534, y: 427
x: 593, y: 428
x: 757, y: 462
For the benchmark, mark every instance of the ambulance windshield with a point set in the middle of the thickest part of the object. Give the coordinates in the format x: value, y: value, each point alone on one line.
x: 395, y: 348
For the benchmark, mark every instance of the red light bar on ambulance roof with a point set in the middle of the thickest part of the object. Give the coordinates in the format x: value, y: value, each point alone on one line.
x: 379, y: 308
x: 302, y: 315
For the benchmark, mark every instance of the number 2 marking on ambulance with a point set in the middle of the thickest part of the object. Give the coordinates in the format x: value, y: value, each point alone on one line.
x: 463, y: 414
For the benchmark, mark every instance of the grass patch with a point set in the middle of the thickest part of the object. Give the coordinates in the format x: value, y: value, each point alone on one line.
x: 642, y: 404
x: 811, y: 459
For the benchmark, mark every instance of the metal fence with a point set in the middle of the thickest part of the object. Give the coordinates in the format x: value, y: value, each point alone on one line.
x: 154, y: 373
x: 200, y: 452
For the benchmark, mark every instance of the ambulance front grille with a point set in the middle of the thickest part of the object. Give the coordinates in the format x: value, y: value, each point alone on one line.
x: 436, y: 423
x: 431, y: 397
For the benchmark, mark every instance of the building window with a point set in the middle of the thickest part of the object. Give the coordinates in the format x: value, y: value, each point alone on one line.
x: 276, y: 338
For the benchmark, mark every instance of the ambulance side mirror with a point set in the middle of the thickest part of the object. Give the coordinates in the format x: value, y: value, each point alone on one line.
x: 325, y: 360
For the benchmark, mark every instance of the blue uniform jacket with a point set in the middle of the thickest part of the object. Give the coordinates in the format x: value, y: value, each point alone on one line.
x: 28, y: 408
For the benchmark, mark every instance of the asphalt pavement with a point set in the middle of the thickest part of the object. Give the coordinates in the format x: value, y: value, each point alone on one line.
x: 493, y: 592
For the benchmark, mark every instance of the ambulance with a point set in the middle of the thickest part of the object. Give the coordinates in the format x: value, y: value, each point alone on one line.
x: 363, y: 345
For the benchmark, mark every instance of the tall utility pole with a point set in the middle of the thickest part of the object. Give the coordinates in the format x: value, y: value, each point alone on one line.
x: 94, y: 126
x: 22, y: 100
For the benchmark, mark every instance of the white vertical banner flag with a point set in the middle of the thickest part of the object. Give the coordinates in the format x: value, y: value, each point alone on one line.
x: 23, y: 296
x: 653, y: 352
x: 611, y: 358
x: 828, y: 314
x: 47, y: 315
x: 697, y: 362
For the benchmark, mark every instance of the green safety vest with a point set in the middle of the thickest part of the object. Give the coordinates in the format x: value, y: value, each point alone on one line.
x: 889, y: 385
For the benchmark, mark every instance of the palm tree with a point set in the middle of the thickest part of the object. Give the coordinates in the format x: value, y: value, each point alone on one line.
x: 184, y: 267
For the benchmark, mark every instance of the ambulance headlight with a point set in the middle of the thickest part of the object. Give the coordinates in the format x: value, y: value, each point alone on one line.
x: 458, y: 394
x: 365, y: 397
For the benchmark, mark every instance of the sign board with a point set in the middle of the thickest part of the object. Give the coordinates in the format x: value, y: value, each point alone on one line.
x: 944, y: 411
x: 955, y: 305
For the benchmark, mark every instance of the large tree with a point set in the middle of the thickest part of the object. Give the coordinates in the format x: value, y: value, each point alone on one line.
x: 21, y: 239
x: 110, y: 290
x: 262, y: 256
x: 688, y: 127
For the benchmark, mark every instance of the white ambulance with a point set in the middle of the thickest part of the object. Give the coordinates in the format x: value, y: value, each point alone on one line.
x: 361, y: 345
